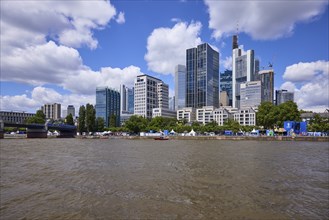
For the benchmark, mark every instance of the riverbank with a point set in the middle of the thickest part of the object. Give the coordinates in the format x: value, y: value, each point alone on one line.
x: 238, y: 138
x: 233, y: 138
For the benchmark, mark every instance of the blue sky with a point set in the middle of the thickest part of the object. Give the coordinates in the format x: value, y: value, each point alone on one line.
x: 59, y: 51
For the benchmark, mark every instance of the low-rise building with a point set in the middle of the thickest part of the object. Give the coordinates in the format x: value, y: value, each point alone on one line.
x: 15, y: 116
x: 187, y: 113
x: 163, y: 112
x: 246, y: 116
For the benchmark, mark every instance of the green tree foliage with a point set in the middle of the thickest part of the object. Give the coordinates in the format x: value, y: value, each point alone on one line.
x: 318, y: 124
x: 266, y: 115
x: 69, y: 120
x: 269, y: 115
x: 90, y: 118
x: 136, y: 124
x: 82, y: 119
x: 100, y: 124
x: 113, y: 121
x: 288, y: 111
x: 232, y: 125
x: 39, y: 118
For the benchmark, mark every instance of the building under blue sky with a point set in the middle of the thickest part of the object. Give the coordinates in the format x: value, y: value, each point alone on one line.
x: 60, y: 51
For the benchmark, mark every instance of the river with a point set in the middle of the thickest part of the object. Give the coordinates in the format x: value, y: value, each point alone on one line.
x: 174, y: 179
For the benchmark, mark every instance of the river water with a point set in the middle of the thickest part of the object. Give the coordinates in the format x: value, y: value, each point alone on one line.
x: 174, y: 179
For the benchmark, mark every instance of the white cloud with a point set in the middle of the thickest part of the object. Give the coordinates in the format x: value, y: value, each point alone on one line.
x: 310, y: 82
x: 306, y: 71
x: 68, y: 22
x: 166, y: 47
x: 40, y: 96
x: 121, y: 18
x: 227, y: 63
x: 261, y: 19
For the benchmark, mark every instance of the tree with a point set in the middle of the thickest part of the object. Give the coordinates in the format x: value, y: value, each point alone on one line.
x: 319, y: 124
x: 82, y: 119
x: 136, y: 124
x: 233, y: 125
x: 69, y: 120
x: 100, y: 124
x: 90, y: 118
x: 266, y: 115
x: 113, y: 121
x: 39, y: 118
x: 288, y: 111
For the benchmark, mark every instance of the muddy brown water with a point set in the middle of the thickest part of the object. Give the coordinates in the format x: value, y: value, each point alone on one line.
x: 174, y: 179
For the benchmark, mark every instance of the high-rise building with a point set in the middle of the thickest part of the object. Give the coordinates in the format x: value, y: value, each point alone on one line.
x: 172, y: 103
x: 71, y: 110
x: 251, y: 94
x: 108, y: 105
x: 202, y: 76
x: 282, y: 96
x: 126, y: 100
x: 226, y: 84
x: 163, y: 95
x: 150, y: 93
x: 243, y: 70
x: 180, y: 87
x: 223, y: 99
x: 267, y: 79
x: 52, y: 111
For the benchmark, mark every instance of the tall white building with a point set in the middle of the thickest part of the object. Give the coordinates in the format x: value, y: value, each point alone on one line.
x: 180, y: 87
x: 243, y: 70
x: 52, y: 111
x: 150, y: 93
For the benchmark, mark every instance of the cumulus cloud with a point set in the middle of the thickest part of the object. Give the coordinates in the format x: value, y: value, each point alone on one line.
x: 40, y: 96
x: 227, y: 63
x: 68, y: 22
x: 46, y: 53
x: 306, y: 71
x: 121, y: 18
x: 166, y: 47
x: 261, y: 19
x: 310, y: 82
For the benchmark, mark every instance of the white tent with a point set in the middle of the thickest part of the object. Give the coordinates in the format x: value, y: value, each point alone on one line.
x: 172, y: 131
x: 192, y: 132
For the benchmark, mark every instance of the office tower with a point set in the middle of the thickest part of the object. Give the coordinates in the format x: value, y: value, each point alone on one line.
x: 226, y: 84
x: 172, y: 103
x: 180, y: 87
x: 108, y: 105
x: 282, y: 96
x: 52, y: 111
x: 150, y: 93
x: 243, y: 69
x: 256, y: 76
x: 224, y: 99
x: 251, y: 94
x: 71, y: 110
x: 202, y: 76
x: 267, y: 79
x: 163, y: 95
x: 126, y: 100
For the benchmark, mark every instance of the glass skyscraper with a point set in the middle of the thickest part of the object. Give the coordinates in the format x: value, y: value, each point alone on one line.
x: 226, y: 84
x: 180, y: 86
x: 202, y: 76
x: 108, y: 104
x: 127, y: 100
x: 282, y: 96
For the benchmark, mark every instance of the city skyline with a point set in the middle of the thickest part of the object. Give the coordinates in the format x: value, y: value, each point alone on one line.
x: 59, y: 52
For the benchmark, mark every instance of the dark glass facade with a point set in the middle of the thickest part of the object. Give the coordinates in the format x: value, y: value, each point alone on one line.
x: 108, y: 104
x: 226, y: 84
x: 202, y: 77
